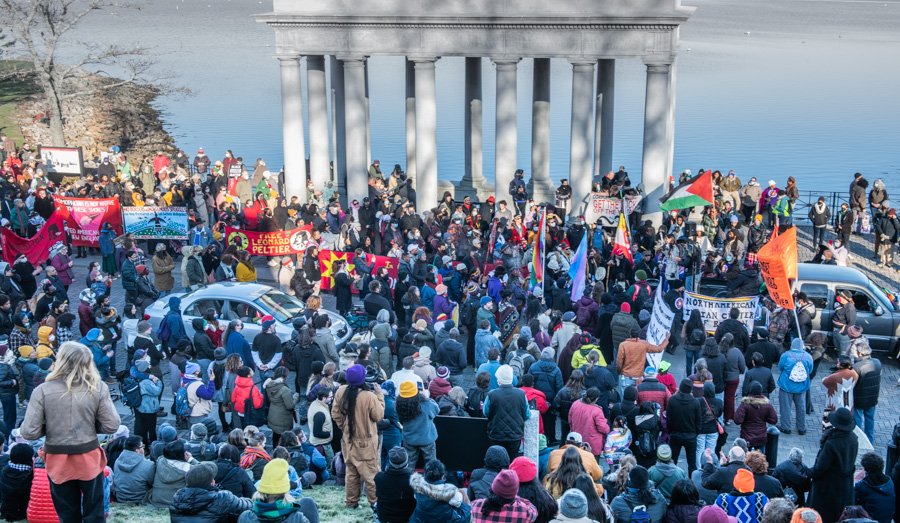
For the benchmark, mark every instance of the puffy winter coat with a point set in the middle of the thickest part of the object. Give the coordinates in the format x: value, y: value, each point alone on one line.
x: 133, y: 476
x: 169, y: 479
x: 281, y: 405
x: 433, y: 502
x: 40, y: 504
x: 589, y: 421
x: 243, y: 388
x: 623, y: 505
x: 547, y: 377
x: 621, y: 325
x: 200, y: 504
x: 752, y: 415
x: 868, y: 386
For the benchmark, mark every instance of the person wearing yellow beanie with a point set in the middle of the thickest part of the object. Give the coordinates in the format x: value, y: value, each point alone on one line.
x: 272, y: 501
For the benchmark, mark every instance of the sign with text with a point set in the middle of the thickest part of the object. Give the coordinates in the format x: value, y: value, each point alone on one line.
x: 714, y: 311
x: 326, y: 265
x: 660, y: 324
x: 156, y: 222
x: 84, y: 217
x: 607, y: 209
x: 278, y: 243
x: 36, y: 248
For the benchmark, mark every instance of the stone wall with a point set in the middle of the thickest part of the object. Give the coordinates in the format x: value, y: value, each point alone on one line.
x: 120, y: 116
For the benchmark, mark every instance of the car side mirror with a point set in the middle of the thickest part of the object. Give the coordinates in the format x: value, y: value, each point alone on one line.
x: 879, y: 310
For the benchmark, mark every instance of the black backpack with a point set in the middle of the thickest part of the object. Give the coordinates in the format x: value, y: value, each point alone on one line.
x: 647, y: 444
x: 696, y: 338
x: 256, y: 416
x: 131, y: 392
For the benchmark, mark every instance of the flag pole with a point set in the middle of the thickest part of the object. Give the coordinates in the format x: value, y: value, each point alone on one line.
x: 542, y: 239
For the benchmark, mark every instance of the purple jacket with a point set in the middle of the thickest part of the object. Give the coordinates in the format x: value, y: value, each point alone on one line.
x: 61, y: 264
x: 442, y: 306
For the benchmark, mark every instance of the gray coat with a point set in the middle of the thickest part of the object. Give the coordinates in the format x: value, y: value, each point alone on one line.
x: 132, y: 477
x: 623, y: 505
x: 325, y: 341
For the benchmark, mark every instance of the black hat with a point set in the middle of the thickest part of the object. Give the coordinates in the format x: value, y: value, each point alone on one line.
x: 638, y: 477
x: 676, y: 284
x: 21, y: 454
x: 842, y: 419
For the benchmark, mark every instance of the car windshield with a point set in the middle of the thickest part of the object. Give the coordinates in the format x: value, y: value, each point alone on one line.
x: 283, y: 307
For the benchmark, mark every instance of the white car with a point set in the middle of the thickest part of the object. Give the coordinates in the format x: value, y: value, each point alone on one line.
x: 248, y: 302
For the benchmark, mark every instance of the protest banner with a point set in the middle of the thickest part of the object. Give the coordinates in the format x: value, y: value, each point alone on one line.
x: 607, y: 209
x: 279, y: 243
x: 778, y: 262
x: 36, y: 248
x: 150, y: 223
x: 84, y: 217
x: 714, y: 311
x: 660, y: 323
x: 327, y: 259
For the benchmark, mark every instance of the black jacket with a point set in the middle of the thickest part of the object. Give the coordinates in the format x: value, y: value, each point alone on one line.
x: 396, y: 499
x: 452, y: 354
x: 203, y: 346
x: 200, y: 504
x: 16, y: 488
x: 763, y: 375
x: 710, y: 415
x: 9, y: 385
x: 716, y: 367
x: 233, y: 478
x: 769, y: 351
x: 868, y: 387
x: 683, y: 414
x: 737, y: 329
x: 832, y: 475
x: 495, y: 460
x: 793, y: 475
x: 374, y: 303
x: 746, y: 284
x: 720, y: 479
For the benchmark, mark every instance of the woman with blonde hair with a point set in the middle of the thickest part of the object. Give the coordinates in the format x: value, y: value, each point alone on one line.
x: 313, y: 304
x: 77, y: 402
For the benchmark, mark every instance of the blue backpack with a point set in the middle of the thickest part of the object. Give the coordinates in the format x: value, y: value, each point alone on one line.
x: 182, y: 406
x: 163, y: 333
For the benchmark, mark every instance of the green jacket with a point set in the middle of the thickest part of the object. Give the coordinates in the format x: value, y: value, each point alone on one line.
x: 782, y: 207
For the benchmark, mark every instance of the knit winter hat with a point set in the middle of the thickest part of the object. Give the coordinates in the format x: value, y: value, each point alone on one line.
x: 584, y: 339
x: 21, y: 454
x: 743, y: 481
x: 505, y: 484
x: 640, y: 274
x: 639, y: 478
x: 408, y: 389
x: 756, y: 389
x: 141, y: 365
x: 201, y: 475
x: 398, y: 457
x: 191, y: 368
x: 573, y: 504
x: 504, y: 375
x: 25, y: 351
x: 45, y: 363
x: 443, y: 372
x: 485, y: 300
x: 548, y: 354
x: 275, y: 477
x: 199, y: 431
x: 714, y: 514
x: 625, y: 307
x: 644, y: 315
x: 356, y: 376
x: 569, y: 316
x: 425, y: 351
x: 524, y: 468
x: 167, y: 433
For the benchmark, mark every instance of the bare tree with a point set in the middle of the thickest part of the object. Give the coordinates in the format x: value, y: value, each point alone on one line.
x: 38, y: 28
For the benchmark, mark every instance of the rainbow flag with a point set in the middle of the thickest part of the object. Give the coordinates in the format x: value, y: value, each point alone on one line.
x: 537, y: 256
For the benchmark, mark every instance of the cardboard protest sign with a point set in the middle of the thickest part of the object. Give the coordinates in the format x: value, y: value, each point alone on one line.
x: 156, y: 222
x: 660, y: 323
x: 84, y: 217
x: 714, y: 311
x: 607, y: 210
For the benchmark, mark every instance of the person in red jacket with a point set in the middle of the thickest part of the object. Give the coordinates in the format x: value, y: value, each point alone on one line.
x: 650, y: 389
x: 662, y: 374
x: 243, y: 389
x: 539, y: 398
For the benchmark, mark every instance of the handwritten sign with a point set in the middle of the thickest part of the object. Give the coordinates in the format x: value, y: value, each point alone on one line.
x: 607, y: 209
x: 660, y: 324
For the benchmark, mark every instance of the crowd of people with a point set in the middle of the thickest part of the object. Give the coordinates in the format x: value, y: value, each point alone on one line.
x: 462, y: 331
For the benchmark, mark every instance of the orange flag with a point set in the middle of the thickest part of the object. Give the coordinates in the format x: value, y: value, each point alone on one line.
x: 778, y: 263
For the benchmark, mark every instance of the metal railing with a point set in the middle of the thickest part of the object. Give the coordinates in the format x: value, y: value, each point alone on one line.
x: 807, y: 199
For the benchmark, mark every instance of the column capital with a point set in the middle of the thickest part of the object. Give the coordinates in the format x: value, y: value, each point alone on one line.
x: 352, y: 60
x: 423, y: 59
x: 287, y: 57
x: 506, y: 63
x: 658, y: 67
x: 583, y: 63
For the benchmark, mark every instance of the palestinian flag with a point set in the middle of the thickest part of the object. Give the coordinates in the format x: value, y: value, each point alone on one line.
x: 693, y: 192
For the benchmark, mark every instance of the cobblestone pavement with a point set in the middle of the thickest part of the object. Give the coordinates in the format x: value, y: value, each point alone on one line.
x: 887, y: 413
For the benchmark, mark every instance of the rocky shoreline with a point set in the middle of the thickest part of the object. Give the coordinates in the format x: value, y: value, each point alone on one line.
x: 122, y: 116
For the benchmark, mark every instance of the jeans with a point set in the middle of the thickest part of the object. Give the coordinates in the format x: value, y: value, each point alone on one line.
x: 204, y: 373
x: 841, y: 342
x: 9, y: 413
x: 706, y: 441
x: 818, y: 236
x: 456, y: 380
x: 76, y: 501
x: 428, y: 453
x: 689, y: 443
x: 163, y: 294
x: 690, y: 356
x: 786, y: 400
x: 867, y: 415
x: 624, y: 383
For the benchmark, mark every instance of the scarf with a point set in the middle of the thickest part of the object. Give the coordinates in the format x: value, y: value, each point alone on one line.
x: 273, y: 510
x: 251, y: 454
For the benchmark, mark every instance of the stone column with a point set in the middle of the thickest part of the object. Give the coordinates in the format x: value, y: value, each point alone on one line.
x: 318, y: 120
x: 540, y: 187
x: 506, y: 134
x: 426, y: 135
x: 338, y: 131
x: 368, y: 127
x: 411, y: 121
x: 580, y: 146
x: 473, y: 181
x: 292, y: 128
x: 670, y: 122
x: 656, y: 137
x: 355, y: 126
x: 603, y: 122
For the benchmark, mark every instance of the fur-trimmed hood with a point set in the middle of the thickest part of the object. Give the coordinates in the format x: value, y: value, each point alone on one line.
x: 437, y: 491
x: 755, y: 400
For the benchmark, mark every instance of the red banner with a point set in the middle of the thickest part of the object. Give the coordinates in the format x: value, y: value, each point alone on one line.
x: 280, y: 243
x: 37, y: 248
x: 84, y: 217
x: 327, y: 258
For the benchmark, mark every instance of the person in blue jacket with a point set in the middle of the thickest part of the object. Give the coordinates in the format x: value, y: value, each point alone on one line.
x: 235, y: 343
x: 101, y: 354
x: 793, y: 383
x: 437, y: 500
x: 176, y: 326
